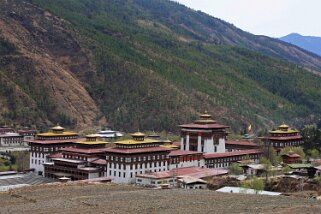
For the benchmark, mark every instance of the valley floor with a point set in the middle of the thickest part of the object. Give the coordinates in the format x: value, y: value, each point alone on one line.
x: 111, y: 198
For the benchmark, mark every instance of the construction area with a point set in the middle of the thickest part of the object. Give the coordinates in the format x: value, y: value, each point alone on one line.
x: 112, y: 198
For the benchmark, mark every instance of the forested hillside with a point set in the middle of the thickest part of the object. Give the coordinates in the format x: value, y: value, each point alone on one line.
x: 148, y: 65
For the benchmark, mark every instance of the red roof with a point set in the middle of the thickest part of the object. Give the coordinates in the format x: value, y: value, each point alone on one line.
x: 82, y: 150
x: 53, y: 141
x: 295, y: 137
x: 183, y: 152
x: 177, y: 143
x: 11, y: 135
x: 231, y: 154
x: 292, y: 155
x: 99, y: 162
x: 240, y: 143
x: 195, y: 172
x: 204, y: 126
x: 27, y: 131
x: 55, y: 155
x: 138, y: 150
x: 69, y: 160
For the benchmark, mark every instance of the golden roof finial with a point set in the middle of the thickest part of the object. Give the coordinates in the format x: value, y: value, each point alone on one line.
x: 138, y: 134
x: 283, y: 126
x: 205, y: 118
x: 58, y: 127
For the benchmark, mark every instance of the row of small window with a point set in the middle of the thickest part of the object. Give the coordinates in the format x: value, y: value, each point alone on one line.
x: 159, y: 182
x: 295, y: 143
x: 46, y: 149
x: 219, y: 165
x: 36, y: 155
x: 139, y: 166
x: 131, y: 174
x: 215, y: 139
x: 34, y: 161
x: 284, y: 135
x: 137, y: 146
x: 134, y: 159
x: 185, y: 159
x: 9, y: 139
x: 66, y: 165
x: 56, y: 138
x: 228, y: 159
x: 12, y: 142
x: 74, y: 157
x: 43, y: 149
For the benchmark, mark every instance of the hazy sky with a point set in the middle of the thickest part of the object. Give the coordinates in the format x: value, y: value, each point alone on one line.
x: 273, y: 18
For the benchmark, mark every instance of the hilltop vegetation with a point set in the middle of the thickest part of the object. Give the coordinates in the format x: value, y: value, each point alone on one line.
x: 151, y: 65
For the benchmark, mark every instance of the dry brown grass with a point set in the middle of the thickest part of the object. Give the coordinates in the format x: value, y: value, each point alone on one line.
x: 111, y: 198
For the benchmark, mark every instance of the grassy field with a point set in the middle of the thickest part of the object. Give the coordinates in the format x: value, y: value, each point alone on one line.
x: 110, y: 198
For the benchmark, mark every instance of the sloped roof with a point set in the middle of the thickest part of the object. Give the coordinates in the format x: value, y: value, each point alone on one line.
x: 230, y: 154
x: 191, y: 180
x: 195, y: 172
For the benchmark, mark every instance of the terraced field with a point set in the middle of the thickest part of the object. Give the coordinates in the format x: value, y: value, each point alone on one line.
x: 110, y: 198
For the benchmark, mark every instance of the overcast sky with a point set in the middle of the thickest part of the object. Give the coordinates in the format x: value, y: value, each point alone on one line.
x: 274, y: 18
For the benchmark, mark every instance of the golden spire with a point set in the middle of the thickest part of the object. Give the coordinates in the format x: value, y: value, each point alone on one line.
x: 205, y: 118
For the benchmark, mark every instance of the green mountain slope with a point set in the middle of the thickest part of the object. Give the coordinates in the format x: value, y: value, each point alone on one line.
x: 154, y: 64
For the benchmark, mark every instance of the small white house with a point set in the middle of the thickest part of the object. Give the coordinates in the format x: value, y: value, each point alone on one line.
x: 156, y: 179
x: 188, y: 182
x: 253, y: 169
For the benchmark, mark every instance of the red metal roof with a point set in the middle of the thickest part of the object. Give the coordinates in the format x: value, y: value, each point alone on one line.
x: 138, y: 150
x: 27, y: 131
x: 69, y: 160
x: 295, y: 137
x: 55, y: 155
x: 231, y: 154
x: 203, y: 126
x: 292, y: 155
x: 240, y: 143
x: 82, y: 150
x: 183, y: 152
x: 48, y: 142
x: 99, y: 162
x: 11, y: 135
x: 195, y: 172
x: 177, y: 143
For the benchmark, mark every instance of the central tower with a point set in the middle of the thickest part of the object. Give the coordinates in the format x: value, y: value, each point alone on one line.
x: 204, y: 135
